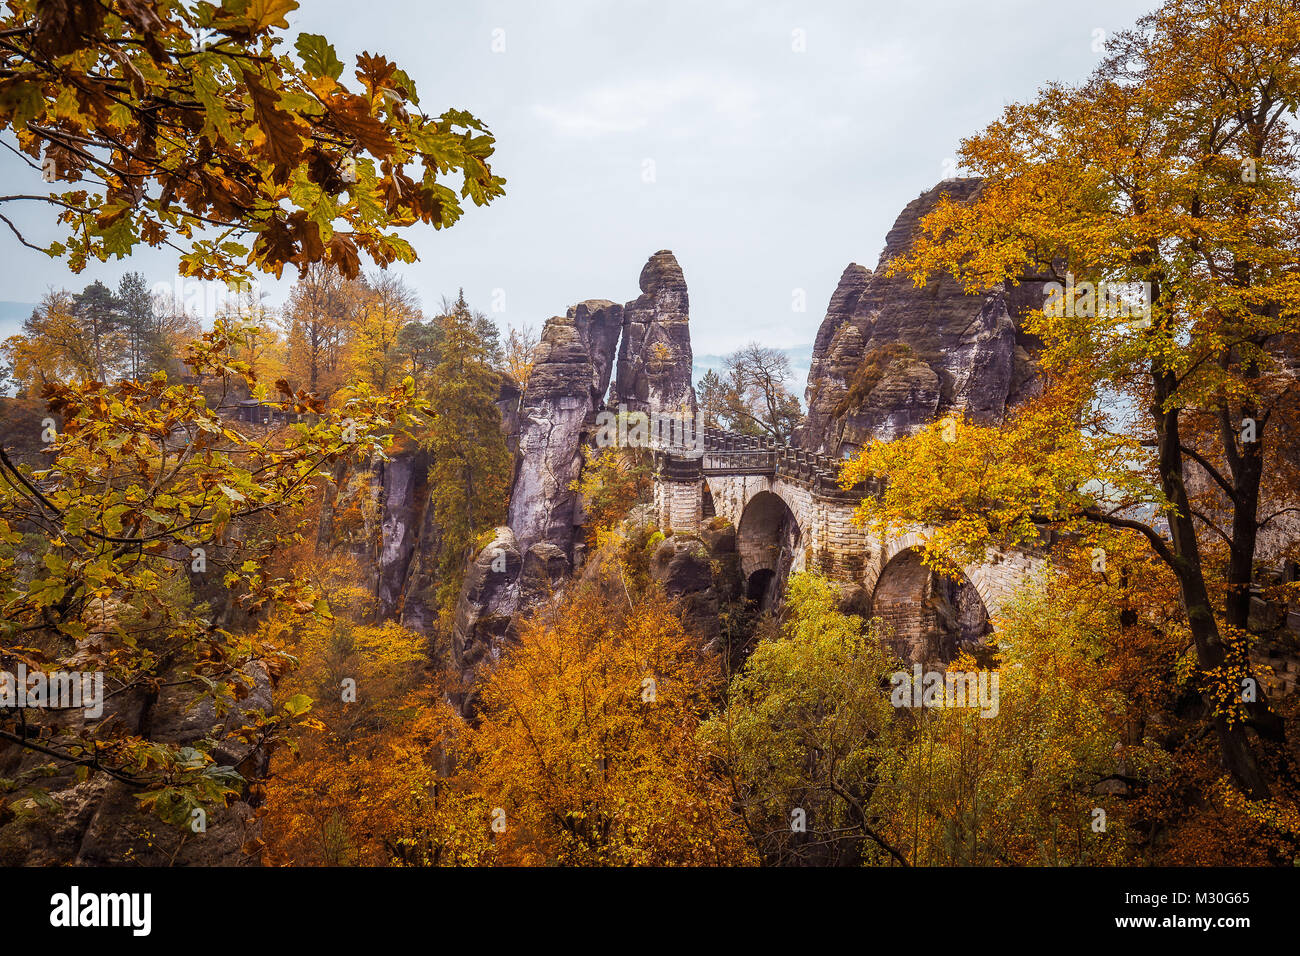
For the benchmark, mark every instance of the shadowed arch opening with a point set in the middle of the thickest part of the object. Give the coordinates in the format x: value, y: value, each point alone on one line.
x: 759, y: 583
x: 768, y: 540
x: 934, y: 616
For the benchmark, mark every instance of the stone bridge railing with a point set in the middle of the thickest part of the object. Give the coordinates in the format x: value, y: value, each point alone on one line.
x: 730, y: 453
x: 684, y: 473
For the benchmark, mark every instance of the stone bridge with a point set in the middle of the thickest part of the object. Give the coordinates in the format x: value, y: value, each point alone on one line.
x: 790, y: 514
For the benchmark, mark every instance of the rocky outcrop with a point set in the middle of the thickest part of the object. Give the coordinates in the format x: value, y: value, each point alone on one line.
x: 654, y: 357
x: 404, y: 480
x: 567, y: 385
x: 680, y: 564
x: 489, y: 597
x: 890, y: 358
x: 508, y: 405
x: 703, y: 573
x: 556, y: 415
x: 827, y: 366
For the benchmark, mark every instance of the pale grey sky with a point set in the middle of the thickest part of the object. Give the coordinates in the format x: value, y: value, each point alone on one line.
x: 773, y: 168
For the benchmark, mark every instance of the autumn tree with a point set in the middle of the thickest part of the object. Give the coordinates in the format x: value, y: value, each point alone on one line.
x: 587, y: 741
x: 521, y: 352
x: 188, y: 124
x: 612, y: 482
x: 318, y: 321
x: 93, y: 334
x: 752, y: 396
x: 263, y: 351
x: 366, y: 782
x: 1024, y: 786
x: 52, y: 347
x: 385, y: 306
x: 1096, y: 744
x: 148, y: 494
x: 1161, y: 196
x: 172, y: 328
x: 806, y: 733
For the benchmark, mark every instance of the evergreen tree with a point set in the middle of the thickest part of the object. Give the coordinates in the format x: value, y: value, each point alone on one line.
x: 470, y: 473
x: 98, y: 312
x: 145, y: 353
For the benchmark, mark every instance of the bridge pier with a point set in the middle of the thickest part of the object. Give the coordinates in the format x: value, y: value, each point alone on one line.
x: 679, y: 493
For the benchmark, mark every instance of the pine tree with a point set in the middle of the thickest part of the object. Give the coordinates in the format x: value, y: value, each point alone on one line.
x: 144, y: 352
x: 470, y: 473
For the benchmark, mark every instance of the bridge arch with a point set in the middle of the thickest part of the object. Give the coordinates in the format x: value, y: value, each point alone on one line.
x: 768, y: 537
x: 739, y: 472
x: 934, y: 616
x: 984, y: 583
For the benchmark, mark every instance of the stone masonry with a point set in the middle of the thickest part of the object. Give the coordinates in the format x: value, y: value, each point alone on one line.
x: 763, y: 489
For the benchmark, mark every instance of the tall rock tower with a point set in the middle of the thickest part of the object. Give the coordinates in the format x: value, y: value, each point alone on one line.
x: 654, y: 357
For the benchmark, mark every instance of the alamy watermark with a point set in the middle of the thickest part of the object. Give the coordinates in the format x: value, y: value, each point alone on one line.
x: 678, y: 431
x: 206, y: 299
x: 1116, y: 300
x: 56, y: 690
x: 945, y: 689
x: 133, y: 911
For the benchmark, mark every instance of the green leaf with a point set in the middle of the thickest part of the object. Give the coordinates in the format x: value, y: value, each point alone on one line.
x: 216, y: 118
x: 20, y: 103
x: 297, y: 705
x: 318, y: 57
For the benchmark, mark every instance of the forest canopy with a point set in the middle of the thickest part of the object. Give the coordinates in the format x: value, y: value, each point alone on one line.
x: 285, y: 537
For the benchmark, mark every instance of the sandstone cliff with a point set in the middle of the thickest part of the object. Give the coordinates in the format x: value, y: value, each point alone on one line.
x: 889, y: 357
x: 566, y: 388
x: 654, y: 356
x: 531, y: 557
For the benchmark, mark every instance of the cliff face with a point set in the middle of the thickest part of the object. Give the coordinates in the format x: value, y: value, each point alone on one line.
x: 532, y: 556
x: 654, y: 357
x: 403, y: 506
x: 567, y: 386
x: 889, y: 358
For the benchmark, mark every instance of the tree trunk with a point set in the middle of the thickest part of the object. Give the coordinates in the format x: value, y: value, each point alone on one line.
x: 1238, y: 755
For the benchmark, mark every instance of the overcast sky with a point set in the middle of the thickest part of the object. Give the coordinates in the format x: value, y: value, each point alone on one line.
x: 773, y: 167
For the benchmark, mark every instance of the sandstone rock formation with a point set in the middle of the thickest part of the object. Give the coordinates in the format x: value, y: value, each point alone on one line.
x: 889, y: 358
x: 567, y: 386
x: 535, y: 553
x: 681, y: 565
x: 654, y: 357
x: 404, y: 480
x: 703, y: 573
x: 839, y: 316
x: 488, y: 600
x: 508, y: 404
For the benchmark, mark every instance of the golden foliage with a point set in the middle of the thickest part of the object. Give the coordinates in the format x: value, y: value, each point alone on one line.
x: 587, y: 741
